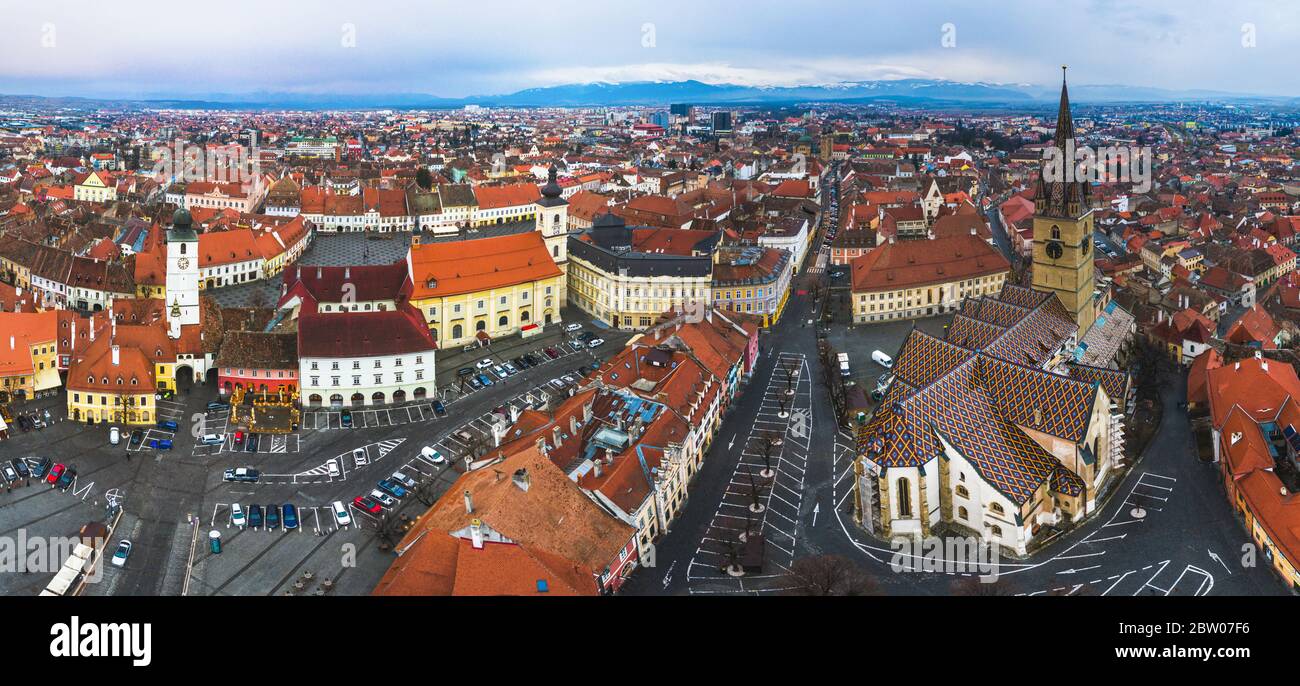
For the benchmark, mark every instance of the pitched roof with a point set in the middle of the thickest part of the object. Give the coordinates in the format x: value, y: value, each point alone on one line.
x: 456, y: 267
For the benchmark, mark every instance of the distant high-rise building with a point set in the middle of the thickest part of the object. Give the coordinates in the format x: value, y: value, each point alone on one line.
x: 722, y: 122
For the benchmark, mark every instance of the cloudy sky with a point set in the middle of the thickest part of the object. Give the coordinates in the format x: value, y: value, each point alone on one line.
x: 456, y: 48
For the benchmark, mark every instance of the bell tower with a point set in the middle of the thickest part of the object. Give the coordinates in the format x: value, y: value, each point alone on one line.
x: 553, y: 223
x: 182, y: 295
x: 1063, y: 226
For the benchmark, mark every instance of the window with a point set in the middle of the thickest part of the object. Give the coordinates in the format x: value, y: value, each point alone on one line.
x: 997, y: 508
x: 961, y: 513
x: 904, y: 498
x: 996, y: 530
x: 962, y: 492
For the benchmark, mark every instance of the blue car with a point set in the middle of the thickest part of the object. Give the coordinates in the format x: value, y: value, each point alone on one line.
x: 485, y: 380
x: 167, y: 424
x: 65, y: 479
x: 392, y: 488
x: 254, y: 515
x: 160, y: 443
x: 290, y: 516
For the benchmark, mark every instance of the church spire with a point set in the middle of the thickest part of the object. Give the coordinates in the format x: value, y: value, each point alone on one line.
x: 1064, y: 124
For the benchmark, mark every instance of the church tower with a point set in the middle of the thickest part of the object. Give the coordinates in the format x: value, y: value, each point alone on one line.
x: 553, y: 223
x: 1063, y: 230
x: 182, y: 274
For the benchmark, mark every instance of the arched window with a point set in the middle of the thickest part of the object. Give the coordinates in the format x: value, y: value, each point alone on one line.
x: 503, y: 321
x: 996, y: 507
x: 961, y: 491
x: 480, y: 325
x: 904, y: 498
x: 1056, y: 232
x: 555, y: 251
x: 961, y: 513
x: 456, y: 332
x: 997, y: 531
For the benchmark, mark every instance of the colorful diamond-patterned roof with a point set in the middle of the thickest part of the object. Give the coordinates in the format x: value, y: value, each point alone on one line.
x: 977, y: 399
x: 1065, y: 481
x: 972, y: 333
x: 925, y: 358
x: 1113, y: 381
x: 1024, y: 297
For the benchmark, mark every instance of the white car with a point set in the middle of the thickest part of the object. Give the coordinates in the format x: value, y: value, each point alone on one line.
x: 572, y: 327
x: 882, y: 359
x: 333, y: 467
x: 237, y: 515
x: 596, y: 343
x: 114, y: 435
x: 432, y: 455
x: 382, y: 498
x: 212, y: 439
x: 484, y: 363
x: 359, y: 457
x: 122, y: 552
x: 341, y: 513
x: 403, y: 479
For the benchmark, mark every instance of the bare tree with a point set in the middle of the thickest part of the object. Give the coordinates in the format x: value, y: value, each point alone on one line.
x: 769, y: 441
x: 828, y: 575
x: 426, y: 491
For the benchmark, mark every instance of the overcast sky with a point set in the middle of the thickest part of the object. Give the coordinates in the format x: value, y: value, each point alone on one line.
x: 171, y: 47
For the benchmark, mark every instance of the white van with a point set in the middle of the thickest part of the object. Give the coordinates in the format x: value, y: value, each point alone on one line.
x: 882, y: 359
x: 114, y: 436
x: 341, y: 513
x: 432, y: 455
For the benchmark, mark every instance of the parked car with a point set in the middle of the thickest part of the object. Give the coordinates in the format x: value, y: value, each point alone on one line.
x: 531, y: 359
x: 160, y: 443
x: 511, y: 369
x: 520, y: 362
x: 464, y: 371
x: 251, y: 444
x: 484, y: 363
x: 470, y: 348
x: 439, y: 409
x: 333, y: 467
x: 123, y: 551
x: 20, y: 464
x: 237, y: 515
x: 55, y: 473
x: 66, y: 478
x: 392, y: 488
x: 272, y: 517
x: 246, y: 475
x: 290, y: 517
x: 500, y: 372
x: 359, y: 458
x: 882, y: 359
x: 596, y: 343
x: 341, y: 514
x: 433, y: 455
x: 485, y: 380
x: 42, y: 468
x: 402, y: 479
x: 552, y: 353
x: 212, y: 439
x: 137, y: 437
x: 24, y: 423
x: 346, y: 418
x: 167, y: 424
x: 572, y: 327
x: 381, y: 498
x: 255, y: 515
x: 474, y: 383
x: 114, y: 436
x: 366, y: 505
x: 587, y: 335
x: 217, y: 405
x: 11, y: 474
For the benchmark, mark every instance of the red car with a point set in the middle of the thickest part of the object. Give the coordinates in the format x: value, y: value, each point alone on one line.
x: 366, y: 505
x: 239, y: 438
x: 55, y: 473
x: 552, y: 353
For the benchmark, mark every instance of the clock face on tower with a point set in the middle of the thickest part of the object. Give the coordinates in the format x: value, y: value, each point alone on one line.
x: 183, y: 263
x: 1054, y: 250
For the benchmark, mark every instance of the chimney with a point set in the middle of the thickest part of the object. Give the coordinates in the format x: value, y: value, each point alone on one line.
x: 1038, y: 416
x: 595, y: 466
x: 347, y: 272
x: 117, y: 353
x: 469, y: 503
x: 318, y: 271
x: 476, y: 532
x: 573, y: 425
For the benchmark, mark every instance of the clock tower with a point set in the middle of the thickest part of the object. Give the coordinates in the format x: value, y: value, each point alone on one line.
x: 1063, y: 229
x: 553, y: 223
x: 182, y: 295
